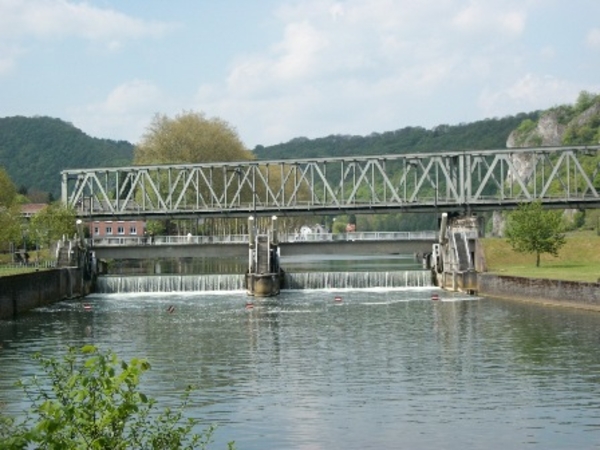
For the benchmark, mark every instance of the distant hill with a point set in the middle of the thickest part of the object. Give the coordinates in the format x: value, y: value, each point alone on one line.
x: 34, y: 150
x: 484, y: 134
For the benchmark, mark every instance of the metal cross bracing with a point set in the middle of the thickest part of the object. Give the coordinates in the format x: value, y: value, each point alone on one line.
x: 421, y: 182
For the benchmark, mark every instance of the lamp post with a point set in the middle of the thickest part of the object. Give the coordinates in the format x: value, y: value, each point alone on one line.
x: 79, y: 226
x: 24, y: 236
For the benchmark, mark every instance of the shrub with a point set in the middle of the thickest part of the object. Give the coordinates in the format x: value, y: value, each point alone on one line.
x: 92, y: 401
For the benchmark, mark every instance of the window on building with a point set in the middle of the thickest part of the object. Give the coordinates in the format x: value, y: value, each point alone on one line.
x: 132, y: 229
x: 108, y: 230
x: 96, y: 231
x: 120, y: 230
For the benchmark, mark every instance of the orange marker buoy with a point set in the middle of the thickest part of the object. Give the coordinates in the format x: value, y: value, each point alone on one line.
x: 338, y: 299
x: 249, y: 305
x: 435, y: 297
x: 87, y: 306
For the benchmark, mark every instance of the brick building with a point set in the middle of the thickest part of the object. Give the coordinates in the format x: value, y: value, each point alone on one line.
x: 116, y: 228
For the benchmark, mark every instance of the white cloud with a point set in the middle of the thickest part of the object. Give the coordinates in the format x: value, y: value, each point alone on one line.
x: 65, y: 18
x: 593, y: 38
x: 8, y: 58
x: 481, y: 17
x: 334, y: 66
x: 529, y: 93
x: 548, y: 52
x: 299, y: 52
x: 24, y: 21
x: 336, y: 60
x: 125, y: 113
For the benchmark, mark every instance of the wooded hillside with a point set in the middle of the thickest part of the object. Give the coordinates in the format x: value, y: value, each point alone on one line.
x: 484, y: 134
x: 35, y: 149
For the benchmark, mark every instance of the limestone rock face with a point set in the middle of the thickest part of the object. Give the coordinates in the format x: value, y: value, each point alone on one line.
x: 548, y: 132
x: 586, y: 116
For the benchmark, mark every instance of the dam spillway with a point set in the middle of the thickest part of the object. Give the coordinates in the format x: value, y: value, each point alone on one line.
x: 112, y: 284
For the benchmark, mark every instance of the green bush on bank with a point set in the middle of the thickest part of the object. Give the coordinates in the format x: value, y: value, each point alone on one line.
x: 91, y: 400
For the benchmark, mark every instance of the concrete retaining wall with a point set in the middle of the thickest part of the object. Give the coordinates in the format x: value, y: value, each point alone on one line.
x: 20, y: 293
x: 565, y: 293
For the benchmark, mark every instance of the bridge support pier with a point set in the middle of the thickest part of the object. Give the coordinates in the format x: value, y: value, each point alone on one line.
x: 453, y: 260
x: 264, y: 276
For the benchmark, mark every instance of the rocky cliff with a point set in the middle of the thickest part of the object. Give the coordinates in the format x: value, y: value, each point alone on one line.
x: 578, y: 124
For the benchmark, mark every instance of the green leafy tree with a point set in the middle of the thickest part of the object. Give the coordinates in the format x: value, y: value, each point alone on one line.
x: 52, y: 223
x: 190, y: 137
x: 8, y: 191
x: 92, y: 401
x: 531, y: 229
x: 10, y: 211
x: 10, y: 225
x: 155, y: 227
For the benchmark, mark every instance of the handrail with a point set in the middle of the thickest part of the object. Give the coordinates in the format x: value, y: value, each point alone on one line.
x: 282, y: 237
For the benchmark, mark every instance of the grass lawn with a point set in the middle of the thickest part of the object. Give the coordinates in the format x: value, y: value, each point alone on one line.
x: 578, y: 260
x: 7, y: 260
x: 7, y: 271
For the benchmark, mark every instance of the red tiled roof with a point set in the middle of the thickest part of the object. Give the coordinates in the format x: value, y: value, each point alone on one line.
x: 30, y: 209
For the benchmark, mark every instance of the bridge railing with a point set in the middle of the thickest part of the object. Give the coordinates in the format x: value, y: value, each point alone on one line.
x: 283, y: 237
x: 359, y: 236
x: 168, y: 240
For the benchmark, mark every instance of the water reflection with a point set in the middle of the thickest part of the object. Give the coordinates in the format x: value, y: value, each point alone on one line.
x: 380, y: 368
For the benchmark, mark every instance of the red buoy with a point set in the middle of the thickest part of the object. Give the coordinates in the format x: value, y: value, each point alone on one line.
x: 338, y: 299
x: 87, y: 306
x: 435, y: 297
x: 249, y: 305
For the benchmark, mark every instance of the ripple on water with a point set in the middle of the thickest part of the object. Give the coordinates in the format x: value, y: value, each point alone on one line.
x: 381, y: 368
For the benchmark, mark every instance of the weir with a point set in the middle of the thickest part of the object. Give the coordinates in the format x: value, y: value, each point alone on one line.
x: 264, y: 275
x: 117, y: 284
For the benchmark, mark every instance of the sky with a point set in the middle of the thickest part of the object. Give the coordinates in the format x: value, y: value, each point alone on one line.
x: 276, y: 70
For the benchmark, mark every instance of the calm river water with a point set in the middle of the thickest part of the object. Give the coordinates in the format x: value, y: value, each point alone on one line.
x: 385, y: 369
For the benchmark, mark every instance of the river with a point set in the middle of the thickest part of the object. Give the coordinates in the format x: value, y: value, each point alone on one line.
x: 382, y: 368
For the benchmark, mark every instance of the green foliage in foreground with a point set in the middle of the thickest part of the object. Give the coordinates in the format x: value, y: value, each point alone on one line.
x: 92, y: 401
x: 531, y: 229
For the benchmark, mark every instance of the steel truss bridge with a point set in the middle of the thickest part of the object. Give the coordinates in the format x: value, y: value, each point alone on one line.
x: 464, y: 181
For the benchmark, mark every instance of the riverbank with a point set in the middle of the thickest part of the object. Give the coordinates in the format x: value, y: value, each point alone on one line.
x: 23, y: 292
x: 578, y: 260
x: 573, y: 294
x: 567, y: 280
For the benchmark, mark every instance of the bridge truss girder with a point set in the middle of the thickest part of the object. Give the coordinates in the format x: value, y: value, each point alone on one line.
x: 562, y: 177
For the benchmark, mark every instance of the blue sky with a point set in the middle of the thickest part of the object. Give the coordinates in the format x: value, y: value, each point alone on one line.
x: 280, y: 69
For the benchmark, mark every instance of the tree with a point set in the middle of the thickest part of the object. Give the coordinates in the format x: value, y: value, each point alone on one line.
x: 531, y: 229
x: 92, y: 401
x: 10, y: 225
x: 10, y: 211
x: 52, y: 223
x: 192, y: 138
x: 189, y: 138
x: 8, y: 191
